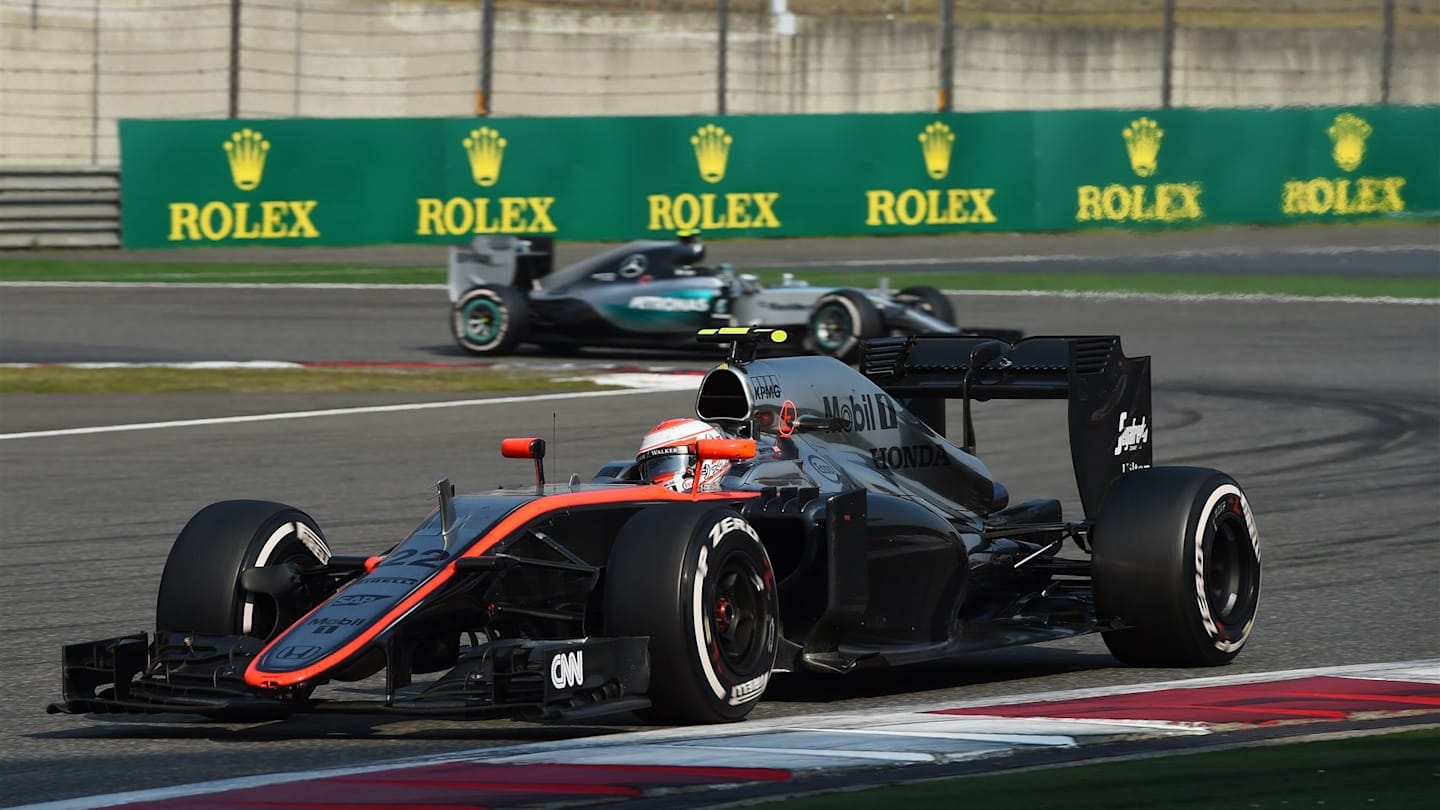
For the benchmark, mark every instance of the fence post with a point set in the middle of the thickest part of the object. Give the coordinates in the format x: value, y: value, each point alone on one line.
x: 1167, y: 54
x: 722, y: 46
x: 1387, y: 51
x: 947, y: 56
x: 234, y: 58
x: 487, y: 52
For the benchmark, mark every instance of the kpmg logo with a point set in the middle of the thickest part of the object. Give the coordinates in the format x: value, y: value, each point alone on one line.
x: 485, y: 150
x: 246, y: 150
x: 712, y: 151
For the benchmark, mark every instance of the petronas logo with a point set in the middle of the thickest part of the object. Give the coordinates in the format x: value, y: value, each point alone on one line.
x: 935, y: 144
x: 712, y: 150
x: 1142, y: 141
x: 246, y: 151
x: 485, y: 149
x: 1348, y: 134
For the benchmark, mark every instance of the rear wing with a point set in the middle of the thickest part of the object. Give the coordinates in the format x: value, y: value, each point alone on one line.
x: 1108, y: 393
x: 504, y: 260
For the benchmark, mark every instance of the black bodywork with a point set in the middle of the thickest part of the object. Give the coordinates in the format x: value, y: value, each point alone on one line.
x: 890, y: 543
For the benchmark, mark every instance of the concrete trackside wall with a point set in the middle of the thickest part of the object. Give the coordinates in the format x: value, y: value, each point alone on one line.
x: 70, y: 69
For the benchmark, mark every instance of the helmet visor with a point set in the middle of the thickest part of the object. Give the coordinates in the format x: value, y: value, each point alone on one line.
x: 665, y: 462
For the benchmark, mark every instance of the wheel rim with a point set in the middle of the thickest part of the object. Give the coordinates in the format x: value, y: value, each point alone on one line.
x: 831, y: 327
x: 737, y: 611
x: 482, y: 320
x: 1229, y: 571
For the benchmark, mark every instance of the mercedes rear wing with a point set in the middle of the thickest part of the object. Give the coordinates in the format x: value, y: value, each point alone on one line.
x: 1108, y: 393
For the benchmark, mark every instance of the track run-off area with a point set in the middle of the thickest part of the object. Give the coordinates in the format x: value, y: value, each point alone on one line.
x: 1327, y: 412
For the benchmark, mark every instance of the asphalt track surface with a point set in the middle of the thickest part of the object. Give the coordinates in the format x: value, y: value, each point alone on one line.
x: 1328, y: 414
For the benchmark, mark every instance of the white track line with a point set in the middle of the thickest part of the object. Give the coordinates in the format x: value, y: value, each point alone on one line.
x: 275, y: 417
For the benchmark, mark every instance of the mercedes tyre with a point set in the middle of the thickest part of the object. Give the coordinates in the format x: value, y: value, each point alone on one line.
x: 839, y: 321
x: 489, y: 320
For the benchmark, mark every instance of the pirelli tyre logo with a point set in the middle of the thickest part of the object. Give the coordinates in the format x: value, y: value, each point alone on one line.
x: 567, y: 669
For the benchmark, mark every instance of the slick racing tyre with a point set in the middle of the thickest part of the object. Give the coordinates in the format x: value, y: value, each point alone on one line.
x: 696, y: 580
x: 200, y: 589
x: 839, y: 321
x: 930, y: 301
x: 1176, y: 562
x: 489, y: 319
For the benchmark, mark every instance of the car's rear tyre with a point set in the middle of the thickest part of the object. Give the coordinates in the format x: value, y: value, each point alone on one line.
x: 200, y: 588
x: 930, y: 301
x: 1176, y: 562
x: 696, y: 580
x: 839, y: 321
x: 489, y: 320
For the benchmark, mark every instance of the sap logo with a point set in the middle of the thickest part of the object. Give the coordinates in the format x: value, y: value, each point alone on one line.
x: 870, y: 412
x: 567, y: 669
x: 766, y: 386
x: 352, y: 599
x: 1132, y: 436
x: 907, y: 456
x: 730, y: 524
x: 748, y: 690
x: 665, y: 303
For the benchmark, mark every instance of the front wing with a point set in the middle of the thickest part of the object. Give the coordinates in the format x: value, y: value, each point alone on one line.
x: 551, y: 680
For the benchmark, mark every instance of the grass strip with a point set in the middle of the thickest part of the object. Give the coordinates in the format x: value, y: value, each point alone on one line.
x: 1398, y: 770
x: 1157, y: 283
x: 146, y: 380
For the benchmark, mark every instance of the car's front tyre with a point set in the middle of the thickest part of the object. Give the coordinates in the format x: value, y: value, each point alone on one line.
x: 696, y: 579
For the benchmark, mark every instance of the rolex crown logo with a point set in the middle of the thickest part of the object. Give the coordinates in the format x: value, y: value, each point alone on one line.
x: 485, y: 149
x: 712, y: 150
x: 1142, y: 141
x: 1348, y: 133
x: 935, y: 144
x: 246, y: 150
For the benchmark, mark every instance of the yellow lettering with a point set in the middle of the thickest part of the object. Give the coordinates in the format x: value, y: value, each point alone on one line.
x: 1292, y: 199
x: 303, y: 227
x: 242, y: 219
x: 1116, y: 202
x: 511, y: 209
x: 1322, y: 195
x: 1138, y: 211
x: 213, y: 230
x: 880, y: 205
x: 955, y: 212
x: 932, y: 205
x: 980, y: 198
x: 540, y: 207
x: 911, y: 205
x: 737, y: 211
x: 687, y: 220
x: 707, y: 215
x: 765, y: 209
x: 660, y: 216
x: 272, y: 219
x: 1190, y: 201
x: 1391, y: 187
x: 430, y: 224
x: 459, y: 216
x: 1087, y: 208
x: 184, y: 222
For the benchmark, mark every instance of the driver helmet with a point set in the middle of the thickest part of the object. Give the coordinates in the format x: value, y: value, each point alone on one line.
x: 667, y: 456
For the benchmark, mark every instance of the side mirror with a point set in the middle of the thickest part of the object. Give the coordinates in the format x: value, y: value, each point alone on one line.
x: 730, y: 449
x: 527, y: 448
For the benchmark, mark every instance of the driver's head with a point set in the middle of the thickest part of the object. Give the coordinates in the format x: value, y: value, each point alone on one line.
x: 667, y: 455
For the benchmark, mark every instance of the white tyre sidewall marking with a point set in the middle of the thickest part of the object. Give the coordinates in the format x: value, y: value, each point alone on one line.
x: 701, y: 628
x: 1202, y: 601
x: 307, y: 537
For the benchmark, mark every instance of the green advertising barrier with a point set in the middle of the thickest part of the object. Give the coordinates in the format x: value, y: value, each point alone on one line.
x: 392, y: 181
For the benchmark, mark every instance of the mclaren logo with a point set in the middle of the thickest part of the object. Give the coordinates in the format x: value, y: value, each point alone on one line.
x: 223, y: 221
x: 711, y: 211
x: 485, y: 149
x: 712, y: 150
x: 1140, y: 202
x: 246, y: 150
x: 464, y: 216
x: 936, y: 142
x: 1344, y: 196
x: 930, y: 206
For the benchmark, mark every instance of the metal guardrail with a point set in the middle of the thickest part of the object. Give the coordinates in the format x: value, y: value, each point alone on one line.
x: 59, y: 207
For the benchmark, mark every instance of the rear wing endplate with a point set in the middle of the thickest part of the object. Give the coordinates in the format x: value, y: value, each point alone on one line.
x: 503, y: 260
x: 1108, y: 393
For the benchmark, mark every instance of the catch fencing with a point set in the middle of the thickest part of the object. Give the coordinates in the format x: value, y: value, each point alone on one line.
x: 71, y: 69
